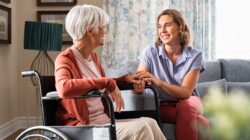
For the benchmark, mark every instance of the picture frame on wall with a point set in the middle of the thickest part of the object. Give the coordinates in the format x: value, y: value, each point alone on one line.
x: 56, y: 2
x: 55, y: 17
x: 6, y: 1
x: 5, y: 24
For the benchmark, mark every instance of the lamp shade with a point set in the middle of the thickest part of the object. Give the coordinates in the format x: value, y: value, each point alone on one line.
x: 42, y: 36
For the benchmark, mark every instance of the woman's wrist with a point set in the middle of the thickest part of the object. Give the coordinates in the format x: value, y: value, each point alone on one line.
x: 110, y: 84
x: 121, y: 79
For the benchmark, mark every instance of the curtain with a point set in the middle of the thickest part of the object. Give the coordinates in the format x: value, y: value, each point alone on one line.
x: 133, y: 26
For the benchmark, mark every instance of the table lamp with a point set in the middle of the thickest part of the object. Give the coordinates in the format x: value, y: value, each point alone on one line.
x: 42, y: 36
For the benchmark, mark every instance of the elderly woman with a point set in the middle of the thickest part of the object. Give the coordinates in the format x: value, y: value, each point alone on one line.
x: 173, y: 68
x: 78, y: 70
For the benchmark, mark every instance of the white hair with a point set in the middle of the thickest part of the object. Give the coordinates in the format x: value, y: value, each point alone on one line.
x: 82, y: 16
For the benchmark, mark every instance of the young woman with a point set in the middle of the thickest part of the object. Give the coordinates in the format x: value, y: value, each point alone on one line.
x: 173, y: 68
x: 78, y: 70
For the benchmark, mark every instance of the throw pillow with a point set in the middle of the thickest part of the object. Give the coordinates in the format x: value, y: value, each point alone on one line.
x: 203, y: 88
x: 235, y: 70
x: 212, y: 72
x: 238, y: 85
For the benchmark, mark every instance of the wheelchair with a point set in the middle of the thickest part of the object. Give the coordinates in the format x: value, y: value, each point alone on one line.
x: 49, y: 99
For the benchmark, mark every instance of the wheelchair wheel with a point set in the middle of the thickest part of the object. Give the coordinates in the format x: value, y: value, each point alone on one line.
x: 42, y: 133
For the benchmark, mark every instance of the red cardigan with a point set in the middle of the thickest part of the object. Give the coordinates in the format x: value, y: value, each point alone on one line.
x: 70, y: 83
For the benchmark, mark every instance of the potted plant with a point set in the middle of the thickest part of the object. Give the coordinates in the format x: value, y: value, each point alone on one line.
x: 229, y: 115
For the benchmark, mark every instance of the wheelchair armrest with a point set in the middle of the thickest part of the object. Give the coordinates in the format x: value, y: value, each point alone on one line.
x: 125, y: 86
x: 90, y: 94
x: 53, y: 95
x: 129, y: 86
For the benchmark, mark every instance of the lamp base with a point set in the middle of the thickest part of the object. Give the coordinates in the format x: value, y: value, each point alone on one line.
x: 43, y: 64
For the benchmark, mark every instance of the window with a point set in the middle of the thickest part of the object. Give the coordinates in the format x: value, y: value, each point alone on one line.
x: 233, y: 29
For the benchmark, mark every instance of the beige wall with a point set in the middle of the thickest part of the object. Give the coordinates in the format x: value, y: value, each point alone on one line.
x: 8, y: 70
x: 17, y: 95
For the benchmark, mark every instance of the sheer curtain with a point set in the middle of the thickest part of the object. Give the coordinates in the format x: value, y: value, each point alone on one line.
x: 133, y: 26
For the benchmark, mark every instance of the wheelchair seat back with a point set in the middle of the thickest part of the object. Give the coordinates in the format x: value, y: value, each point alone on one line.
x: 49, y: 106
x: 47, y: 84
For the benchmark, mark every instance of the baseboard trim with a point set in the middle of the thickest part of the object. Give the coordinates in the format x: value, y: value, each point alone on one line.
x: 12, y: 126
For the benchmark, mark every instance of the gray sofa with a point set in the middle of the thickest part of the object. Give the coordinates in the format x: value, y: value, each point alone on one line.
x: 225, y: 73
x: 228, y: 74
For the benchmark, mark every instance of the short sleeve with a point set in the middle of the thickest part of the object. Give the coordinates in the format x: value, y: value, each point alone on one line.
x: 198, y: 62
x: 145, y: 56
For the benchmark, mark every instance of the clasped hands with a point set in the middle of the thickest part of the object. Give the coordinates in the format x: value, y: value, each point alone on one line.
x: 139, y: 80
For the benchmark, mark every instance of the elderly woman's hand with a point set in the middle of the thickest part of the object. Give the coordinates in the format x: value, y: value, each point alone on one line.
x: 117, y: 98
x: 131, y: 78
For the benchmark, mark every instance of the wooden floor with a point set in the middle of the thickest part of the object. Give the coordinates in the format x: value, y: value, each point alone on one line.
x: 14, y: 135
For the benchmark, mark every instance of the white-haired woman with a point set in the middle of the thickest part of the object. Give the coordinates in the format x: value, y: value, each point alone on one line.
x: 78, y: 70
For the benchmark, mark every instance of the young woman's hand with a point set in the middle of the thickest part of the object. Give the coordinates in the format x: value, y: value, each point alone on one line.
x: 148, y: 78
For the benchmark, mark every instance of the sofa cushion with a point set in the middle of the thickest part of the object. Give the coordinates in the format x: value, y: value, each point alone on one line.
x: 205, y: 86
x: 212, y: 72
x: 238, y: 85
x: 168, y: 131
x: 235, y: 70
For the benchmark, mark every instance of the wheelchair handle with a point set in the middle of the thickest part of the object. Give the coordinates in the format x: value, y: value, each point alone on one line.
x: 28, y: 73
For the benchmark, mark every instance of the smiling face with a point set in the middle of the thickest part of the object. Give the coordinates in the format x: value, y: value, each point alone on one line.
x: 172, y: 28
x: 168, y: 30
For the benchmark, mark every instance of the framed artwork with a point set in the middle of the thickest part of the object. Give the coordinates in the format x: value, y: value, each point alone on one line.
x: 5, y: 24
x: 7, y: 1
x: 55, y: 17
x: 56, y: 2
